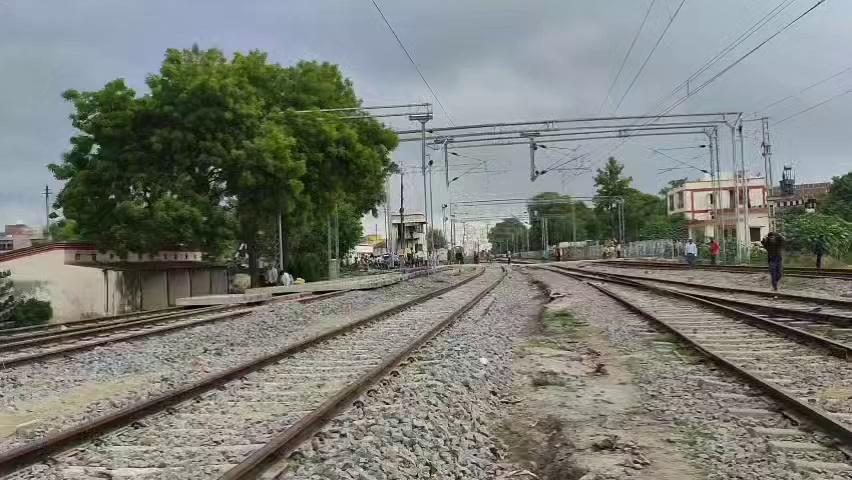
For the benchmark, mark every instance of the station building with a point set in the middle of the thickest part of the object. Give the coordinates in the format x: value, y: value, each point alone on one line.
x: 81, y: 282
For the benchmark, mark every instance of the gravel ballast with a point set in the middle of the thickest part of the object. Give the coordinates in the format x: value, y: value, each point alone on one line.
x: 694, y: 399
x: 63, y: 391
x: 438, y: 419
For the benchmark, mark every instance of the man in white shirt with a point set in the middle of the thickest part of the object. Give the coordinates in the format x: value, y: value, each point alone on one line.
x: 691, y: 252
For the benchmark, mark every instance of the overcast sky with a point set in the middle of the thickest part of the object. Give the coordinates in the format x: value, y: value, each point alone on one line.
x: 488, y: 60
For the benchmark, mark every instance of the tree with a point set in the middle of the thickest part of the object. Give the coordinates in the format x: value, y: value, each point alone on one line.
x: 7, y: 297
x: 436, y: 239
x: 509, y: 234
x: 64, y: 230
x: 563, y: 214
x: 839, y: 200
x: 216, y: 152
x: 610, y: 183
x: 22, y: 312
x: 673, y: 184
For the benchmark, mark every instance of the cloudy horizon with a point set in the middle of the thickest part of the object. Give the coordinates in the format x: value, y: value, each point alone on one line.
x: 488, y: 61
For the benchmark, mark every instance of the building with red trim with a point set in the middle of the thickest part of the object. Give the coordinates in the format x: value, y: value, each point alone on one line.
x: 696, y: 200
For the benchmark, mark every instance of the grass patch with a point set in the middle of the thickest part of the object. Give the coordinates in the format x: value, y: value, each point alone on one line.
x: 544, y: 379
x: 694, y: 436
x: 562, y: 322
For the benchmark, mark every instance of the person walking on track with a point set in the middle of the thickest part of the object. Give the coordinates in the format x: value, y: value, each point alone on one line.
x: 691, y: 252
x: 715, y: 250
x: 820, y: 250
x: 774, y: 245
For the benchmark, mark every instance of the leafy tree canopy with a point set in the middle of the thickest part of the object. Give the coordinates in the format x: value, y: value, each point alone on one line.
x: 215, y: 151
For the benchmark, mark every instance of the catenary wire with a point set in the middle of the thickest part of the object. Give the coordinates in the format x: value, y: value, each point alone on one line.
x: 627, y: 55
x: 806, y: 110
x: 411, y: 59
x: 648, y: 57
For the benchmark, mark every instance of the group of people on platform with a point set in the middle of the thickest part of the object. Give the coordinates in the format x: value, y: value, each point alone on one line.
x: 773, y: 243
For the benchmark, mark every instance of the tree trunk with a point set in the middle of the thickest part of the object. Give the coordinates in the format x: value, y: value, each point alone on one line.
x: 285, y: 241
x: 254, y: 271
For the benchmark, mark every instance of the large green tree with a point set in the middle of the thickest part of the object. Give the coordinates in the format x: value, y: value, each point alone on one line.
x: 563, y: 214
x: 839, y: 201
x: 610, y: 183
x: 508, y: 234
x: 217, y: 150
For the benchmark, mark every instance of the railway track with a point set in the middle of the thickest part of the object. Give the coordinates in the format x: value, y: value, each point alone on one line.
x: 828, y: 317
x: 833, y: 273
x: 30, y: 345
x: 232, y: 425
x: 800, y: 371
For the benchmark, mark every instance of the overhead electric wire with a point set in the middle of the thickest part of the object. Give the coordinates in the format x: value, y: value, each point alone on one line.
x: 626, y: 56
x: 806, y: 110
x: 411, y: 59
x: 730, y: 47
x: 809, y: 87
x: 743, y: 57
x: 650, y: 54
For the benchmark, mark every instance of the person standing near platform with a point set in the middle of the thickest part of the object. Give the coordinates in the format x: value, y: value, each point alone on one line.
x: 715, y: 250
x: 691, y: 252
x: 774, y: 245
x: 820, y: 250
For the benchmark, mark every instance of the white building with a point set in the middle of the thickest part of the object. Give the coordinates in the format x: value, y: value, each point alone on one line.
x: 82, y: 282
x: 415, y: 233
x: 696, y: 199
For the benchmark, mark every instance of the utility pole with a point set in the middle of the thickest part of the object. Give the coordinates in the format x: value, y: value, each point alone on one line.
x: 737, y: 192
x: 766, y: 151
x: 431, y: 236
x: 423, y: 118
x: 447, y: 162
x: 46, y: 194
x: 280, y: 242
x: 401, y: 240
x: 573, y: 221
x: 747, y: 196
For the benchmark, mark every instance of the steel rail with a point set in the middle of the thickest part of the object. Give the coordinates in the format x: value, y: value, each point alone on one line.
x: 816, y: 416
x: 74, y: 323
x: 804, y: 272
x: 782, y: 295
x: 285, y: 443
x: 835, y: 348
x: 27, y: 454
x: 24, y: 359
x: 41, y: 338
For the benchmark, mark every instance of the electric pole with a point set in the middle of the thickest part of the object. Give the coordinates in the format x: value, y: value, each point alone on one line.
x: 46, y: 194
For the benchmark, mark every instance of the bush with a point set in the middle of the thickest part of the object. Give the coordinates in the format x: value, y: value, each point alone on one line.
x: 310, y: 266
x: 32, y: 312
x: 802, y: 231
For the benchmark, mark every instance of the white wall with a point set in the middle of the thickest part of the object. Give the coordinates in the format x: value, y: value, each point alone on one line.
x: 74, y: 292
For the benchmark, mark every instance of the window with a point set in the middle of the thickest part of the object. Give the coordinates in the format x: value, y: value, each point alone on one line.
x: 709, y: 199
x: 671, y: 202
x: 754, y: 234
x: 679, y: 199
x: 731, y: 202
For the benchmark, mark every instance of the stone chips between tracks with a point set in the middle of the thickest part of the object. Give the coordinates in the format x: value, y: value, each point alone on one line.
x: 438, y: 419
x: 64, y: 391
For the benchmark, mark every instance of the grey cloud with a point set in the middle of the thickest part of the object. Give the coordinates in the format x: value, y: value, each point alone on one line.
x: 489, y: 60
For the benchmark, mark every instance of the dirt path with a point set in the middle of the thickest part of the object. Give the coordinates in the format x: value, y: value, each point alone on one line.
x: 576, y: 411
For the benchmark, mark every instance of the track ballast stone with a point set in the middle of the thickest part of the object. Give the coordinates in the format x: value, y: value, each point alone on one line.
x: 438, y: 419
